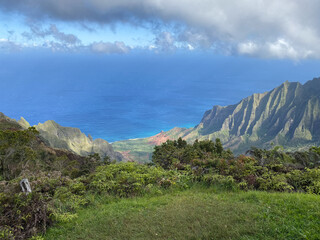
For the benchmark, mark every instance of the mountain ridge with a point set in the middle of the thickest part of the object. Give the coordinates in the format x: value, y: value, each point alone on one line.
x: 64, y: 138
x: 74, y: 140
x: 288, y: 115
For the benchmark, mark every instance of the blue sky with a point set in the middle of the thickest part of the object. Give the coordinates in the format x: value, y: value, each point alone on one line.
x: 126, y: 69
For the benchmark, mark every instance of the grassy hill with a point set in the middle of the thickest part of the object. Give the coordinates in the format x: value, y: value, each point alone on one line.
x: 190, y: 191
x: 197, y: 213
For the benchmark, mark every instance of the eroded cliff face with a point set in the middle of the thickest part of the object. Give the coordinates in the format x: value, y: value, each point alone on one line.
x: 65, y: 138
x: 288, y: 115
x: 74, y: 140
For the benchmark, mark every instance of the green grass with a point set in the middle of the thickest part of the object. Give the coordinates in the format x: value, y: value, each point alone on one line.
x: 198, y: 213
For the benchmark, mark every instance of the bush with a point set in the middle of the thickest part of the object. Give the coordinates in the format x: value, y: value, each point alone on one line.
x: 274, y: 182
x: 22, y: 216
x: 224, y: 182
x: 243, y: 186
x: 53, y: 198
x: 129, y: 179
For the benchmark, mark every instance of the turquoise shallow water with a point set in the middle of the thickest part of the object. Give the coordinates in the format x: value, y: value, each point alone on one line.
x: 128, y: 96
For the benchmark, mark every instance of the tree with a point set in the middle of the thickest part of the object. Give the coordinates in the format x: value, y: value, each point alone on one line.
x: 16, y: 151
x: 181, y: 143
x: 218, y: 147
x: 165, y: 154
x: 179, y: 152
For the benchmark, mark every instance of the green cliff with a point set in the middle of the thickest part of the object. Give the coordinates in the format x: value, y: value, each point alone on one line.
x: 64, y: 138
x: 288, y: 115
x: 74, y: 140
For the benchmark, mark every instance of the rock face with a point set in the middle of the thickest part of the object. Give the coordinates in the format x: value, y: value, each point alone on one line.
x: 288, y: 115
x: 65, y: 138
x: 74, y: 140
x: 23, y: 123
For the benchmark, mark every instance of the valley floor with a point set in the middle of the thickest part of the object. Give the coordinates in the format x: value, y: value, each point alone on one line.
x: 197, y: 213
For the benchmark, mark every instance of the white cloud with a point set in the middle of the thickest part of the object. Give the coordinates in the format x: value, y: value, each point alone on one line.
x: 190, y: 47
x: 269, y: 28
x: 8, y: 46
x: 57, y: 41
x: 249, y: 48
x: 36, y: 31
x: 165, y: 41
x: 107, y: 47
x: 282, y: 49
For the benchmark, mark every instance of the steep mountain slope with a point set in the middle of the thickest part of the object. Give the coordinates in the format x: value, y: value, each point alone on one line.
x: 8, y: 123
x: 74, y: 140
x: 288, y: 115
x: 64, y: 138
x: 24, y: 153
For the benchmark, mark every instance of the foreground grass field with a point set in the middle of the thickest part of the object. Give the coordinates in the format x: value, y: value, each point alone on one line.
x: 197, y: 213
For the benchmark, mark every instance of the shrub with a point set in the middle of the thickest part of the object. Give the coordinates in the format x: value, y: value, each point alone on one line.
x: 242, y: 167
x: 22, y: 216
x: 243, y: 185
x: 224, y: 182
x: 314, y: 188
x: 126, y: 179
x: 53, y: 198
x: 298, y: 180
x: 274, y: 182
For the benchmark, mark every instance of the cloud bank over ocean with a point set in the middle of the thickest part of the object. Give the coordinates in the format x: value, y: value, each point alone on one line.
x: 266, y: 28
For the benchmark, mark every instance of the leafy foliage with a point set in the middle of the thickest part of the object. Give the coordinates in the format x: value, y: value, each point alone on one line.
x: 23, y: 153
x: 16, y: 152
x: 56, y: 198
x: 174, y: 153
x: 63, y: 182
x: 267, y: 170
x: 23, y: 216
x: 130, y: 179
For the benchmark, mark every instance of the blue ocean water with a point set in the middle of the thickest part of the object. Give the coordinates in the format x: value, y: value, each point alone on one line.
x: 119, y: 97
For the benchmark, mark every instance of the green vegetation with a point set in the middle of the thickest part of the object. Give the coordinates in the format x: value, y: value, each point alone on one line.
x: 138, y: 150
x: 188, y: 192
x: 134, y: 145
x: 6, y: 124
x: 16, y: 153
x: 288, y: 115
x: 24, y: 154
x: 178, y: 153
x: 54, y: 175
x: 197, y: 213
x: 268, y: 170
